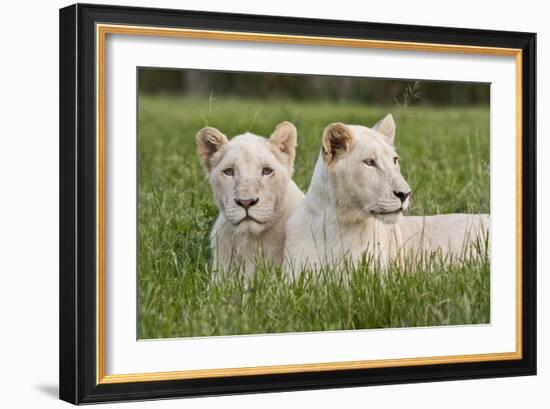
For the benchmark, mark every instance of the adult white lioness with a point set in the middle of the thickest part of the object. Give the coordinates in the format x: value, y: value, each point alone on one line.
x: 250, y: 177
x: 355, y: 203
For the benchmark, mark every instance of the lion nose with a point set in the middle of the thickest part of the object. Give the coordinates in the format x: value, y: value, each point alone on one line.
x: 246, y: 203
x: 402, y: 195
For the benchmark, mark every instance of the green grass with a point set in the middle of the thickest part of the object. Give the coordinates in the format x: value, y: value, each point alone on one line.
x: 444, y: 157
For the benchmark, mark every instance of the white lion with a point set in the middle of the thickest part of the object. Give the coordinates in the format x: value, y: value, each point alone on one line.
x: 354, y: 206
x: 250, y: 177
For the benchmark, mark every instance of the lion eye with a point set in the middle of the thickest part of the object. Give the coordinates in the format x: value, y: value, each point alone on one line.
x: 228, y: 172
x: 267, y: 171
x: 396, y: 160
x: 369, y: 162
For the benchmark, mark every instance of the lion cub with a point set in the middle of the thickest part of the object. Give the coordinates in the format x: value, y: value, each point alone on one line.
x: 250, y: 177
x: 355, y: 202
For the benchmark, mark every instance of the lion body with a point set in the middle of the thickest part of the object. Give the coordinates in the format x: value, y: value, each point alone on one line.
x: 353, y: 208
x: 454, y: 235
x: 250, y: 177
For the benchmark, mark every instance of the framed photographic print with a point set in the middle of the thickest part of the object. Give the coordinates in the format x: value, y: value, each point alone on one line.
x: 257, y: 203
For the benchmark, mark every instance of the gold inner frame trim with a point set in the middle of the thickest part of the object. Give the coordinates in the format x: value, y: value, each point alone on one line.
x: 101, y: 33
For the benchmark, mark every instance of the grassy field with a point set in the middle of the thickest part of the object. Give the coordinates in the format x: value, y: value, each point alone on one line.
x: 444, y: 157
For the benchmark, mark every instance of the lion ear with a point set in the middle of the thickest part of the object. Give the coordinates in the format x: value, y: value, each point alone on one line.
x: 386, y: 126
x: 209, y: 141
x: 284, y: 137
x: 337, y: 140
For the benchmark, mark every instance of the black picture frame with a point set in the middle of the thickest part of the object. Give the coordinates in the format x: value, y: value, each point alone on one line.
x: 78, y: 360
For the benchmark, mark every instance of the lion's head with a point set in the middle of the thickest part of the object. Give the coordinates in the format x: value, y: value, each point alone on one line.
x: 363, y: 168
x: 249, y: 174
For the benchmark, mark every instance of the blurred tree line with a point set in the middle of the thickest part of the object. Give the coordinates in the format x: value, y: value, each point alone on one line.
x: 307, y: 87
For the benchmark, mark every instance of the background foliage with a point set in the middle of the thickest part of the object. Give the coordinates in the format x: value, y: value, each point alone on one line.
x: 306, y: 87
